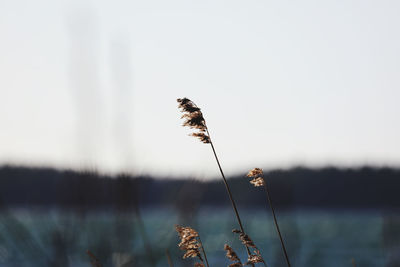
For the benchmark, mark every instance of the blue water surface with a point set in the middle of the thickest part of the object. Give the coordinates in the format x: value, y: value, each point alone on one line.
x: 43, y: 237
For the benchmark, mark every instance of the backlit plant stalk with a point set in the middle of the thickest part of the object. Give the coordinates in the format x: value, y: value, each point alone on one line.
x: 194, y: 119
x: 258, y: 181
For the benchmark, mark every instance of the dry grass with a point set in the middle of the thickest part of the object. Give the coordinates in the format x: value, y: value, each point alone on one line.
x: 191, y: 243
x: 194, y: 119
x: 232, y: 256
x: 257, y: 180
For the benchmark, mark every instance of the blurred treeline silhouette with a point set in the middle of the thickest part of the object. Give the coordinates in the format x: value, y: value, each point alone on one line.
x: 134, y: 226
x: 362, y: 188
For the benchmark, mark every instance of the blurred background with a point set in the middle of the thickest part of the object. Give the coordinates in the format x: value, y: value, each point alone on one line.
x: 93, y: 155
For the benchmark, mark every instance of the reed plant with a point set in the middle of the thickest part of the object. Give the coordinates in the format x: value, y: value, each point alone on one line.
x: 191, y: 243
x: 259, y: 181
x: 194, y: 119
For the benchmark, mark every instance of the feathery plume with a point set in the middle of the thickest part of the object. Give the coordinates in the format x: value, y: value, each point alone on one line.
x: 246, y: 240
x: 202, y: 136
x: 254, y: 257
x: 231, y: 255
x: 257, y: 182
x: 190, y: 242
x: 256, y: 174
x: 194, y: 119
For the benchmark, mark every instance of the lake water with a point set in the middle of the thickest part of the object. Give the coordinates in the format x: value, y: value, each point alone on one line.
x: 37, y: 237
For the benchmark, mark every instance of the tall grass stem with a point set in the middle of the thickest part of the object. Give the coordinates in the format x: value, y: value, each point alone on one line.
x: 146, y: 242
x: 204, y: 252
x: 170, y: 264
x: 229, y: 191
x: 276, y: 222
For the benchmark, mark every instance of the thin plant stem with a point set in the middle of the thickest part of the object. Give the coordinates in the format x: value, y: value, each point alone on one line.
x: 94, y: 261
x: 170, y: 264
x: 229, y: 192
x: 227, y: 188
x: 146, y: 242
x: 353, y: 261
x: 204, y: 252
x: 194, y: 119
x: 276, y: 222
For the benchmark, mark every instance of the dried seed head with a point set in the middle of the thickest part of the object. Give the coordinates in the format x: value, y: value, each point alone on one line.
x: 192, y: 114
x: 187, y: 105
x: 231, y: 255
x: 254, y: 258
x: 203, y: 137
x: 259, y: 181
x: 186, y: 231
x: 191, y: 253
x: 193, y: 119
x: 256, y: 175
x: 246, y: 240
x: 255, y: 172
x: 189, y: 242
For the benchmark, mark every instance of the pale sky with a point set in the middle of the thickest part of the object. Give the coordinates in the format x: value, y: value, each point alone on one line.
x: 93, y: 84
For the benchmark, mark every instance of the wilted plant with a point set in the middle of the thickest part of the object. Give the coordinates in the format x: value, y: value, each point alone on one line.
x: 191, y: 243
x: 257, y: 180
x: 194, y: 119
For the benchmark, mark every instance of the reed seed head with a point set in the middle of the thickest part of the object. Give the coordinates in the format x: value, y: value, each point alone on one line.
x: 194, y: 119
x: 231, y: 255
x: 259, y: 181
x: 202, y: 136
x: 246, y: 240
x: 189, y: 242
x: 256, y: 174
x: 254, y: 258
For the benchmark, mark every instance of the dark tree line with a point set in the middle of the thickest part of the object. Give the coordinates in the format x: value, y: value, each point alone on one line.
x: 363, y: 188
